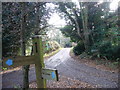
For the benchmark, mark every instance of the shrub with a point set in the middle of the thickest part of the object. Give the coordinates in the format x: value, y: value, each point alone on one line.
x: 56, y: 45
x: 51, y: 46
x: 110, y: 51
x: 116, y: 52
x: 79, y: 48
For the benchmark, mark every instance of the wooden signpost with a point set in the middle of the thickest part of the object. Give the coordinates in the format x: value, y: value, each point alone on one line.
x: 41, y: 72
x: 18, y: 61
x: 50, y: 74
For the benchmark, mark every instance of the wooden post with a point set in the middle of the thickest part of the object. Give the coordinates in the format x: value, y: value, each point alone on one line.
x: 41, y: 72
x: 39, y: 63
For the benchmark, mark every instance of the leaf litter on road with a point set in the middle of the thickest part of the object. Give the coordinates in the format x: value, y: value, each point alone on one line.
x: 64, y: 82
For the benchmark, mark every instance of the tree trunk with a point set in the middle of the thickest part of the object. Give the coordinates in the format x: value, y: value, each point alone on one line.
x: 76, y: 21
x: 84, y: 15
x: 77, y: 24
x: 37, y: 19
x: 23, y: 48
x: 26, y: 74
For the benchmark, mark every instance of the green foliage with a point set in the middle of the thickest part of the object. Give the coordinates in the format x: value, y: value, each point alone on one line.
x: 69, y: 31
x: 54, y: 45
x: 68, y: 45
x: 79, y: 49
x: 11, y: 24
x: 110, y: 51
x: 113, y: 65
x: 11, y: 28
x: 102, y: 38
x: 55, y: 34
x: 51, y: 46
x: 5, y: 68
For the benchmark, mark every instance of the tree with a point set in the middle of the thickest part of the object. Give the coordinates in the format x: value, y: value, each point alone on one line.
x: 78, y: 19
x: 92, y: 23
x: 33, y: 18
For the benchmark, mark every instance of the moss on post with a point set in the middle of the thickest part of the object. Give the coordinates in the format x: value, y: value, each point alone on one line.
x: 39, y: 63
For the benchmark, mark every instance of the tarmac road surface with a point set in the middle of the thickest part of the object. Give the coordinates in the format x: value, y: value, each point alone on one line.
x: 69, y: 67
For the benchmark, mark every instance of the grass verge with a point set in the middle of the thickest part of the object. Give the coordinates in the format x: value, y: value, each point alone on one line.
x: 51, y: 53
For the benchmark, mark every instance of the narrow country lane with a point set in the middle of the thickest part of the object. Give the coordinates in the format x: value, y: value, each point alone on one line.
x: 68, y: 67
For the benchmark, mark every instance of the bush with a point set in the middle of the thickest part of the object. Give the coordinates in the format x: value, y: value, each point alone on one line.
x: 79, y: 48
x: 106, y: 50
x: 54, y: 45
x: 110, y: 51
x: 116, y: 53
x: 68, y: 45
x: 51, y: 46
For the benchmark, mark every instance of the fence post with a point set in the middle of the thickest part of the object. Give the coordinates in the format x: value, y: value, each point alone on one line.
x: 39, y: 63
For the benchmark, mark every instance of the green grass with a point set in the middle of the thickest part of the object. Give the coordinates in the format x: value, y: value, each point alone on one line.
x: 52, y: 53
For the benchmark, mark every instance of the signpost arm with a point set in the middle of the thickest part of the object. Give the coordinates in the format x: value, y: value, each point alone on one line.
x: 39, y: 63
